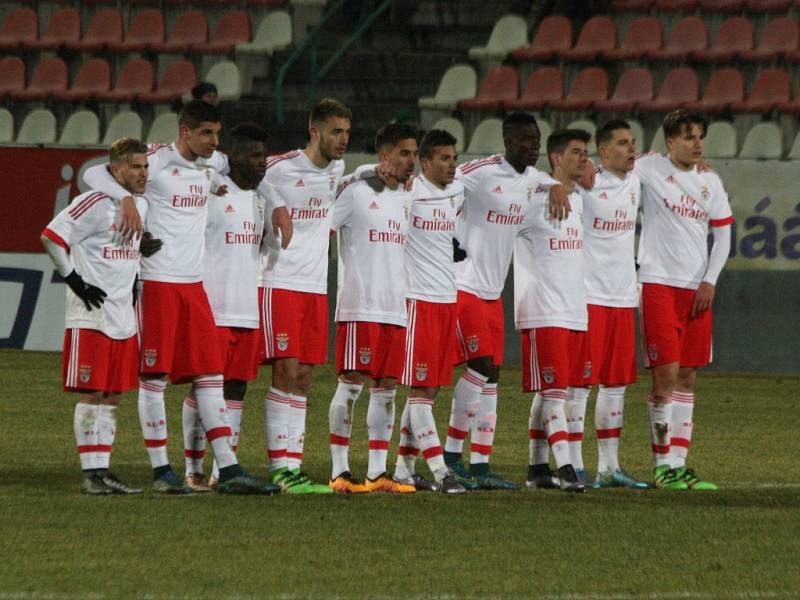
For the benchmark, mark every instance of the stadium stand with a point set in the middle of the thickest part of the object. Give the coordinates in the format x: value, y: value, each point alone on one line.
x: 689, y: 35
x: 727, y: 6
x: 774, y: 6
x: 772, y: 88
x: 780, y: 37
x: 487, y: 137
x: 124, y: 124
x: 191, y: 28
x: 20, y: 26
x: 680, y: 87
x: 657, y: 144
x: 508, y: 33
x: 225, y: 75
x: 455, y: 128
x: 63, y: 28
x: 146, y: 29
x: 81, y: 129
x: 501, y: 84
x: 734, y: 37
x: 38, y: 127
x: 632, y: 5
x: 553, y: 35
x: 12, y: 76
x: 545, y: 85
x: 6, y: 126
x: 644, y: 35
x: 178, y: 78
x: 676, y: 5
x: 135, y: 78
x: 589, y: 86
x: 721, y: 140
x: 794, y: 152
x: 764, y: 141
x: 233, y: 28
x: 274, y: 33
x: 164, y: 129
x: 725, y: 87
x: 599, y: 34
x: 104, y: 29
x: 634, y: 87
x: 458, y: 83
x: 49, y: 76
x: 94, y: 77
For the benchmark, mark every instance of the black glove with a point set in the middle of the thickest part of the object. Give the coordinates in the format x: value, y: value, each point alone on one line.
x: 149, y: 245
x: 135, y: 293
x: 459, y: 253
x: 92, y: 296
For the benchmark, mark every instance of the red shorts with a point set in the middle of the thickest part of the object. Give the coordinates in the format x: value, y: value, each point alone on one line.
x: 430, y: 344
x: 93, y: 362
x: 480, y: 330
x: 611, y: 345
x: 239, y: 348
x: 669, y: 334
x: 178, y: 334
x: 293, y: 325
x: 553, y: 358
x: 377, y: 349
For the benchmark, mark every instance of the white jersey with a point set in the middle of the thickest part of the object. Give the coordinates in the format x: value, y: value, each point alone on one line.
x: 308, y: 193
x: 549, y: 268
x: 678, y: 207
x: 87, y: 228
x: 233, y: 239
x: 609, y: 227
x: 496, y: 196
x: 429, y: 250
x: 372, y: 228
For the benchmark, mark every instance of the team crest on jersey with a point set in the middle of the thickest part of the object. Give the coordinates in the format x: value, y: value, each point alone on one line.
x: 282, y: 340
x: 364, y: 355
x: 704, y: 191
x: 472, y: 343
x: 332, y: 181
x: 85, y: 373
x: 652, y: 352
x: 587, y: 369
x: 669, y: 179
x: 421, y: 372
x: 603, y: 196
x: 229, y: 210
x: 207, y: 173
x: 150, y: 357
x: 548, y: 374
x: 530, y: 192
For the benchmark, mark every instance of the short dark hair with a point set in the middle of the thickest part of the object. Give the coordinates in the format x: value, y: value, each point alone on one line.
x: 195, y: 112
x: 435, y: 137
x: 122, y: 150
x: 326, y: 108
x: 560, y: 139
x: 203, y: 88
x: 392, y: 134
x: 677, y: 119
x: 244, y: 133
x: 607, y: 129
x: 515, y: 120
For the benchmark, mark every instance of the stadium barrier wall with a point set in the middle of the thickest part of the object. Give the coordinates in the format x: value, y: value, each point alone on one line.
x: 756, y: 308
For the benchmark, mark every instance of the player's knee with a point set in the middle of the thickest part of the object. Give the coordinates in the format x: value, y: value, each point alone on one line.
x: 235, y: 389
x: 484, y: 366
x: 686, y: 379
x: 111, y: 399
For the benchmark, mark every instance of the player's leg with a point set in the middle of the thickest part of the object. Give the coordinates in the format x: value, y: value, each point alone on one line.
x: 234, y: 391
x: 194, y: 444
x: 106, y: 434
x: 575, y: 409
x: 86, y: 430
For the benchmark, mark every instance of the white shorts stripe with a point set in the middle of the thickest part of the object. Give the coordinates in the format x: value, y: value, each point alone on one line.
x: 72, y: 366
x: 460, y: 338
x: 534, y: 362
x: 405, y: 379
x: 266, y: 329
x: 642, y: 340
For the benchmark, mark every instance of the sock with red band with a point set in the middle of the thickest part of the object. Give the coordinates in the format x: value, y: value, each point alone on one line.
x: 608, y: 423
x: 276, y: 418
x: 297, y: 430
x: 106, y: 433
x: 208, y: 392
x: 423, y: 428
x: 466, y: 401
x: 682, y: 410
x: 194, y: 438
x: 380, y: 424
x: 483, y: 428
x: 153, y: 419
x: 86, y: 434
x: 575, y: 409
x: 340, y: 423
x: 408, y: 450
x: 554, y: 420
x: 659, y: 415
x: 538, y: 446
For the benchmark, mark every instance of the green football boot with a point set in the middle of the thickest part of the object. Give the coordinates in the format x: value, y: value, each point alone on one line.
x: 487, y: 480
x: 462, y: 475
x: 245, y: 484
x: 666, y: 478
x: 693, y: 482
x: 619, y: 478
x: 294, y: 481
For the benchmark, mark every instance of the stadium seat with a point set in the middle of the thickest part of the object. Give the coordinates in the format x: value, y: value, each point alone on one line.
x: 105, y: 28
x: 725, y: 87
x: 590, y: 85
x: 233, y: 28
x: 454, y: 128
x: 790, y: 107
x: 734, y: 37
x: 273, y: 3
x: 780, y: 37
x: 12, y: 75
x: 632, y: 5
x: 597, y: 35
x: 135, y: 78
x: 708, y: 6
x: 634, y: 87
x: 21, y: 25
x: 637, y: 131
x: 164, y: 129
x: 274, y: 33
x: 764, y: 141
x: 545, y: 129
x: 794, y: 152
x: 690, y: 35
x: 93, y: 77
x: 49, y: 76
x: 190, y: 28
x: 772, y: 87
x: 681, y: 86
x: 508, y: 33
x: 81, y: 129
x: 124, y: 124
x: 63, y: 28
x: 38, y: 127
x: 554, y: 34
x: 676, y: 5
x: 225, y: 75
x: 545, y: 85
x: 6, y: 126
x: 720, y: 140
x: 657, y: 144
x: 774, y: 6
x: 458, y: 82
x: 178, y: 79
x: 487, y: 138
x: 146, y: 29
x: 644, y: 35
x: 589, y: 126
x: 501, y: 84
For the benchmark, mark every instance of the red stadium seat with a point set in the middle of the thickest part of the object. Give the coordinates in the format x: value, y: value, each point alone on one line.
x: 63, y: 28
x: 680, y: 87
x: 632, y: 5
x: 676, y: 5
x: 135, y: 78
x: 597, y: 35
x: 721, y: 5
x: 772, y: 87
x: 590, y: 85
x: 780, y: 37
x: 644, y: 35
x: 49, y: 76
x: 21, y: 25
x: 12, y: 75
x: 554, y: 34
x: 190, y: 28
x: 791, y: 107
x: 146, y: 29
x: 233, y: 28
x: 178, y: 79
x: 501, y: 84
x: 274, y: 3
x: 93, y: 77
x: 725, y: 87
x: 545, y: 85
x: 762, y: 6
x: 735, y: 36
x: 634, y: 87
x: 690, y: 34
x: 105, y: 28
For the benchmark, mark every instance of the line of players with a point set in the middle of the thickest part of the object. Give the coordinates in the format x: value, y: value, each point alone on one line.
x: 402, y: 301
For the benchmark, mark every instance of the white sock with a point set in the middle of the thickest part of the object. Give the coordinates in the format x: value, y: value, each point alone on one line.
x: 408, y: 450
x: 466, y: 400
x: 554, y: 420
x: 575, y: 409
x: 84, y: 423
x: 659, y: 415
x: 235, y: 408
x: 297, y: 431
x: 538, y: 446
x: 340, y: 425
x: 106, y: 433
x: 608, y: 423
x: 208, y: 390
x: 682, y: 409
x: 194, y: 438
x: 276, y: 419
x: 484, y: 425
x: 380, y: 425
x: 424, y: 429
x: 153, y: 419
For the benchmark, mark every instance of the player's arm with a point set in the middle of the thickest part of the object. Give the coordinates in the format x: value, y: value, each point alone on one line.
x: 720, y: 222
x: 275, y: 206
x: 99, y: 177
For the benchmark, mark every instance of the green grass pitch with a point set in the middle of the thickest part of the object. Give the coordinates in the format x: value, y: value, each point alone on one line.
x: 739, y: 542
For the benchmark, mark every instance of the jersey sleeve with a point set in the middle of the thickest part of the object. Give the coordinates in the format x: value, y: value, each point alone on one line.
x: 99, y: 177
x: 644, y: 165
x: 720, y: 213
x: 219, y: 162
x: 343, y: 207
x: 470, y: 178
x: 77, y: 221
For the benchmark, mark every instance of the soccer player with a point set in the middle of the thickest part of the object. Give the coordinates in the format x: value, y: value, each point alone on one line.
x: 550, y: 303
x: 176, y: 326
x: 100, y: 346
x: 678, y: 276
x: 294, y: 282
x: 371, y: 225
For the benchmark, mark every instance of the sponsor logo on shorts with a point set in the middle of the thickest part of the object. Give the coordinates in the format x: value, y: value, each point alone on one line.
x: 587, y: 369
x: 85, y: 373
x: 282, y: 341
x: 549, y: 374
x: 472, y: 343
x: 652, y: 352
x: 422, y: 372
x: 364, y: 355
x: 150, y: 357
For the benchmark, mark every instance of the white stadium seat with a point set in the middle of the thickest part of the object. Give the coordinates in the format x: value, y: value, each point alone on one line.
x: 38, y: 127
x: 763, y: 142
x: 509, y: 32
x: 720, y: 140
x: 225, y: 75
x: 487, y: 137
x: 6, y: 126
x: 273, y: 33
x: 458, y: 82
x: 454, y: 128
x: 82, y: 129
x: 164, y: 129
x: 124, y: 124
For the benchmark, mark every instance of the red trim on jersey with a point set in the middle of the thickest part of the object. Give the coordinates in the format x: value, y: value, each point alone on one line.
x: 79, y: 209
x: 604, y: 434
x: 721, y: 222
x: 345, y: 184
x: 456, y: 434
x: 339, y: 440
x: 153, y: 148
x: 55, y: 238
x: 481, y: 162
x: 94, y: 448
x: 274, y: 160
x: 378, y: 444
x: 155, y: 443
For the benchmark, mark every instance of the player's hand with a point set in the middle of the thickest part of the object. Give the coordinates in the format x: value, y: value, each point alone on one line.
x: 587, y: 181
x: 131, y: 220
x: 149, y: 245
x: 92, y: 296
x: 282, y: 223
x: 459, y: 253
x: 703, y: 298
x: 221, y: 190
x: 384, y: 171
x: 559, y: 203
